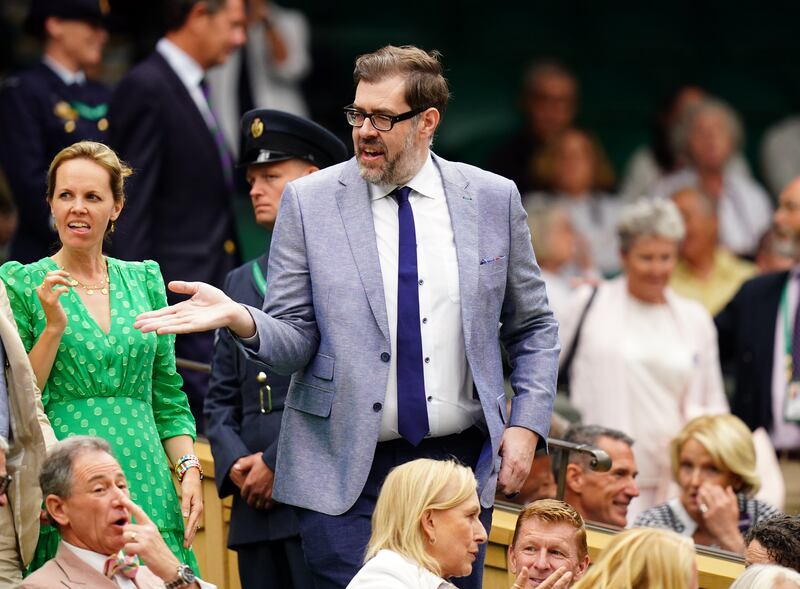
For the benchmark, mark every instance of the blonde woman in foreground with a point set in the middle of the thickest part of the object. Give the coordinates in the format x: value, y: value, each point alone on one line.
x: 767, y: 576
x: 425, y: 529
x: 644, y: 559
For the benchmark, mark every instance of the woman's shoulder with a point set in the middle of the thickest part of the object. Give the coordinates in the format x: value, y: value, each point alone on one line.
x: 13, y: 271
x: 757, y: 510
x: 147, y: 268
x: 390, y: 569
x: 659, y: 516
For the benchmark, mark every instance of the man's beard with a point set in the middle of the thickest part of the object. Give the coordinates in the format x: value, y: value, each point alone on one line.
x: 786, y: 245
x: 396, y: 170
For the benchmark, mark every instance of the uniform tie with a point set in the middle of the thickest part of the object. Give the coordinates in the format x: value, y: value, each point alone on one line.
x: 412, y: 412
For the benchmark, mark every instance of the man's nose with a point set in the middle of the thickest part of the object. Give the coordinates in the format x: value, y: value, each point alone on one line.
x: 540, y: 561
x: 367, y: 130
x: 633, y: 489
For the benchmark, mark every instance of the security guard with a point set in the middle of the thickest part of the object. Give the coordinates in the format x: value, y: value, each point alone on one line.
x: 244, y: 404
x: 49, y: 107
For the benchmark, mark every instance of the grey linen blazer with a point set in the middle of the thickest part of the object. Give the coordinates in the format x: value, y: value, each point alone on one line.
x: 325, y: 322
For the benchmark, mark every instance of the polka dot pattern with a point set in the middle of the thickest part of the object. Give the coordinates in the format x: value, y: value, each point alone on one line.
x: 121, y: 386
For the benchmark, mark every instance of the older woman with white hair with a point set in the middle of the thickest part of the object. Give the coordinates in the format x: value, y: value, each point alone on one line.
x: 767, y: 576
x: 708, y: 137
x: 642, y: 359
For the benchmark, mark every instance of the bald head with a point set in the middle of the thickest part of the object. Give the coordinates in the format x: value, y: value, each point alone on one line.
x: 787, y: 217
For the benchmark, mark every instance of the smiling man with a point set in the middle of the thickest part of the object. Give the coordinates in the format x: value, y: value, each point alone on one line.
x: 389, y: 275
x: 549, y: 539
x: 601, y: 497
x: 103, y: 533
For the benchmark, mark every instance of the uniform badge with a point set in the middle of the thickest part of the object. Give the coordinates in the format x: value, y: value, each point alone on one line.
x: 102, y: 124
x: 64, y: 111
x: 257, y: 128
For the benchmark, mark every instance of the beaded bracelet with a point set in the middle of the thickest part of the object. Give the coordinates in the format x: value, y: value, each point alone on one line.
x: 186, y: 462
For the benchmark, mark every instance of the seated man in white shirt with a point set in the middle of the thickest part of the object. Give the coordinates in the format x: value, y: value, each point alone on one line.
x: 86, y: 497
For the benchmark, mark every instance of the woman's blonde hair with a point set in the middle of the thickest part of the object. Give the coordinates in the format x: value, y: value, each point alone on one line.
x: 642, y: 558
x: 100, y: 154
x: 407, y: 493
x: 729, y: 442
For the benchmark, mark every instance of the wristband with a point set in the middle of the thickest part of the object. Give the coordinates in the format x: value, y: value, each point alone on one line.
x: 186, y: 462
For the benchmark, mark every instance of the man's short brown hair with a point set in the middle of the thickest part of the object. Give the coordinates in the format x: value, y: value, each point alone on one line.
x: 425, y: 85
x: 554, y: 511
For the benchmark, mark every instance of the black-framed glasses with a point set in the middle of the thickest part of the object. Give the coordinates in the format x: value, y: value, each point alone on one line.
x: 5, y: 481
x: 381, y: 122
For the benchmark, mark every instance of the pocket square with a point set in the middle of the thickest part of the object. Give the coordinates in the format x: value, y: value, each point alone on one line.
x: 491, y: 260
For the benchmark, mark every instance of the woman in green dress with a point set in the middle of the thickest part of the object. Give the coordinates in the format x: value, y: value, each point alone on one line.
x: 98, y: 375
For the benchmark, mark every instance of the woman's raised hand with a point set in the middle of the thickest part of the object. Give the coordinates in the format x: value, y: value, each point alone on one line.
x: 55, y: 283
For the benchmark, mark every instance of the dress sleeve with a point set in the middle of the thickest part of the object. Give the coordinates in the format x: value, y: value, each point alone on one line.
x: 21, y: 289
x: 170, y: 405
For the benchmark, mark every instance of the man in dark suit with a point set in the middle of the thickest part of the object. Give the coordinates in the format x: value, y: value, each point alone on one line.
x: 180, y: 210
x: 49, y: 107
x: 245, y: 401
x: 759, y: 338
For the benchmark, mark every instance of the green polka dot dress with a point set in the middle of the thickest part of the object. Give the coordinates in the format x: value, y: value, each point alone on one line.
x: 121, y: 386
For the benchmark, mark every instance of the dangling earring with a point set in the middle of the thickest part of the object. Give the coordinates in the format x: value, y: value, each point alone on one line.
x: 113, y: 227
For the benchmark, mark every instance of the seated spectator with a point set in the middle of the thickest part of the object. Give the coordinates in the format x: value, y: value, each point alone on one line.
x: 650, y: 163
x: 643, y: 559
x: 767, y: 576
x: 662, y: 367
x: 103, y: 533
x: 550, y: 541
x: 708, y: 137
x: 549, y: 102
x: 774, y: 541
x: 601, y: 497
x: 705, y: 272
x: 714, y: 463
x: 780, y: 153
x: 773, y: 255
x: 577, y: 175
x: 563, y: 255
x: 425, y: 527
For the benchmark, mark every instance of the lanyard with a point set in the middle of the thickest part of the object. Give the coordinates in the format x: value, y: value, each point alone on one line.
x: 787, y: 331
x: 258, y: 276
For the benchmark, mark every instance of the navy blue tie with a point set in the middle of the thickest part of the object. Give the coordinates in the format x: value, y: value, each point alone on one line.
x: 412, y: 411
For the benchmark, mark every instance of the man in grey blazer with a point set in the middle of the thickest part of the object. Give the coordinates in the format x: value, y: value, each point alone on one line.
x: 389, y: 275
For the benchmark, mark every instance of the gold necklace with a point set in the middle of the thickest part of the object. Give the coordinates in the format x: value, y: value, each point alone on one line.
x: 90, y: 289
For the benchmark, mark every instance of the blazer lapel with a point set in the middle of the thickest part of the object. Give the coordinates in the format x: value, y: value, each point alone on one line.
x: 356, y: 211
x: 79, y: 575
x: 463, y: 208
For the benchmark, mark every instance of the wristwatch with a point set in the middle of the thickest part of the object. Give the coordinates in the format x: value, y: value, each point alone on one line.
x: 184, y: 578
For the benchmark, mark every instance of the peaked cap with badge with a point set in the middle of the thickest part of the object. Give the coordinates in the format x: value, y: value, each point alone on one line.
x: 93, y: 11
x: 270, y: 136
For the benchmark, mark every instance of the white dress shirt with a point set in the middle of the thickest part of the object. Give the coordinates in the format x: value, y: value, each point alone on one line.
x: 97, y: 562
x: 785, y: 434
x: 190, y: 73
x: 448, y: 380
x: 67, y: 76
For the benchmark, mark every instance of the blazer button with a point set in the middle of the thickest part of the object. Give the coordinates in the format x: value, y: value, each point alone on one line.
x: 385, y: 356
x: 377, y: 407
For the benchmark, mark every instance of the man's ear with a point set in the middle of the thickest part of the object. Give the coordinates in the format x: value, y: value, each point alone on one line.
x: 583, y: 565
x: 574, y: 478
x: 429, y: 121
x: 310, y: 170
x: 55, y: 507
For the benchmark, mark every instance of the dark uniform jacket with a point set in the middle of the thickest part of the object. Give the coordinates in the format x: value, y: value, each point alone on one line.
x: 236, y: 425
x: 39, y: 116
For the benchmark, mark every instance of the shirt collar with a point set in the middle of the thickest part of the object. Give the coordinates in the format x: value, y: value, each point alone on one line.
x: 67, y: 76
x: 427, y: 182
x: 187, y: 69
x: 93, y: 559
x: 680, y: 513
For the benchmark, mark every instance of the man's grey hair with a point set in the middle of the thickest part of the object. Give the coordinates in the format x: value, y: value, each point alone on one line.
x: 56, y: 476
x: 680, y: 135
x: 589, y: 435
x: 650, y: 218
x: 766, y: 575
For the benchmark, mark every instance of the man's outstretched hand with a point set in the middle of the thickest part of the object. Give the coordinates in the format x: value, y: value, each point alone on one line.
x: 207, y: 309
